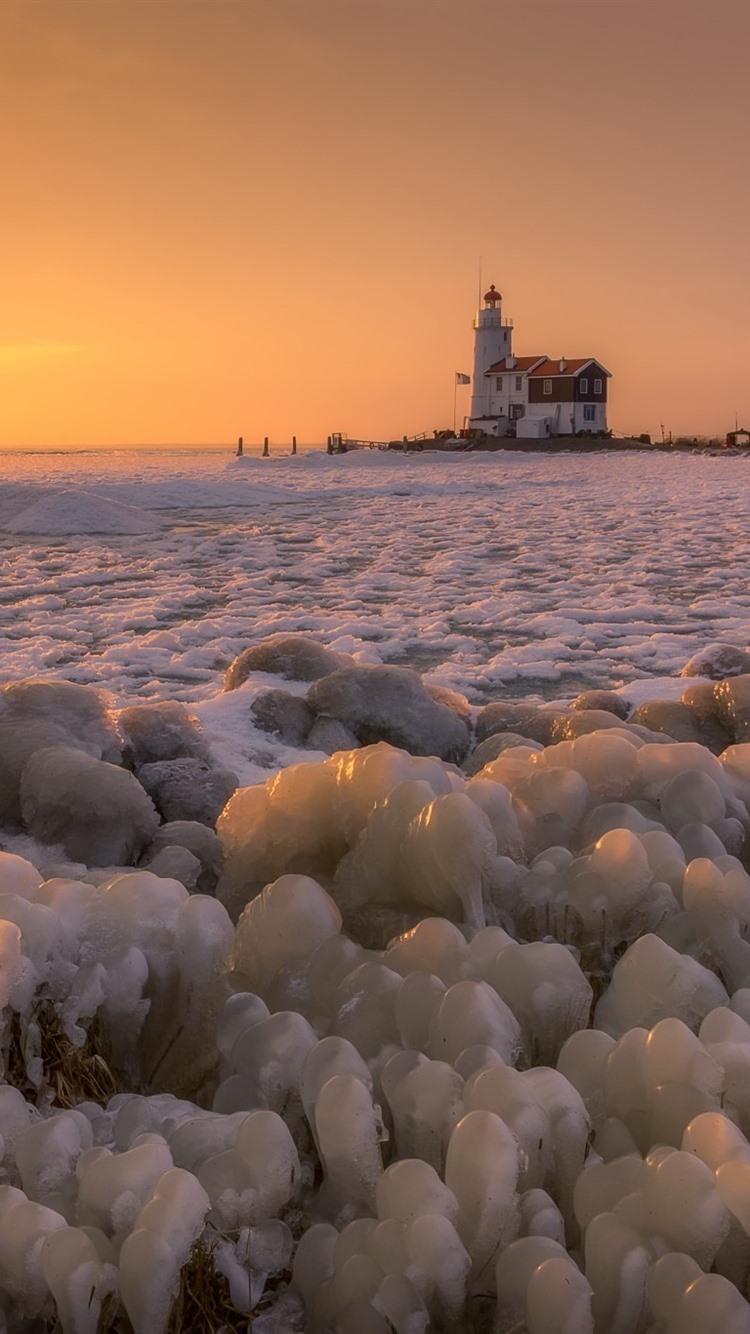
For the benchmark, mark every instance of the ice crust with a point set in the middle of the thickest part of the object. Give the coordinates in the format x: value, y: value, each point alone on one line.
x: 532, y: 1098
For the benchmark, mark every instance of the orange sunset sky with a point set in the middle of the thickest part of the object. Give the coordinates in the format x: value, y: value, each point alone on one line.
x: 266, y: 216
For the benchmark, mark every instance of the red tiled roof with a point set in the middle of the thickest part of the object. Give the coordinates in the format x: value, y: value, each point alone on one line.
x: 573, y: 366
x: 521, y: 364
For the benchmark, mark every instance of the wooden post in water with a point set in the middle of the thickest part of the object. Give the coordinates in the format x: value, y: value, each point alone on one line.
x: 294, y: 444
x: 239, y: 448
x: 265, y: 447
x: 329, y: 446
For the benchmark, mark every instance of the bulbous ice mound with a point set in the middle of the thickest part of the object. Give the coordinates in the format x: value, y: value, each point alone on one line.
x: 282, y: 924
x: 69, y: 513
x: 652, y: 982
x: 717, y: 661
x: 391, y: 704
x: 295, y: 657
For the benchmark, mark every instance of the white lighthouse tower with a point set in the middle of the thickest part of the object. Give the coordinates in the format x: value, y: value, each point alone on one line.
x: 492, y: 342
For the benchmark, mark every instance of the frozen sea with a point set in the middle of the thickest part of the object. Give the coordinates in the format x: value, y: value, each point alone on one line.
x: 501, y: 575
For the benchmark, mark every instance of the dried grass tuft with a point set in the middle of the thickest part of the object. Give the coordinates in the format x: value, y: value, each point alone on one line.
x: 203, y: 1304
x: 70, y: 1074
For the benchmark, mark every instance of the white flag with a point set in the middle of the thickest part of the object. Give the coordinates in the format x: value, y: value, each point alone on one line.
x: 462, y: 379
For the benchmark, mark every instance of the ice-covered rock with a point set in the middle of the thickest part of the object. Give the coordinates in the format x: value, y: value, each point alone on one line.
x: 493, y: 746
x: 330, y: 735
x: 391, y: 704
x: 164, y: 731
x: 294, y: 657
x: 20, y: 738
x: 717, y: 661
x: 529, y: 721
x: 82, y: 710
x: 607, y: 700
x: 98, y: 812
x: 188, y: 789
x: 681, y: 723
x: 581, y: 722
x: 175, y: 863
x: 202, y: 842
x: 284, y: 714
x: 733, y: 706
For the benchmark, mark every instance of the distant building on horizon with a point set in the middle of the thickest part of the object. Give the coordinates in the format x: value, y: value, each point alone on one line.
x: 531, y: 397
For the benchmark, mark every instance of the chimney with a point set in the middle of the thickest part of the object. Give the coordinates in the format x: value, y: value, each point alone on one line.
x: 510, y: 363
x: 563, y: 363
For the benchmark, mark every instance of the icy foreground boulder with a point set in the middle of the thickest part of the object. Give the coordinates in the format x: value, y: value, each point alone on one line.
x: 391, y: 704
x: 166, y: 731
x: 37, y: 714
x: 81, y: 710
x: 294, y: 657
x: 188, y: 789
x: 97, y: 811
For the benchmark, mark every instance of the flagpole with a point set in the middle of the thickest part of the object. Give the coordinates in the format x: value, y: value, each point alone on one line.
x: 455, y: 388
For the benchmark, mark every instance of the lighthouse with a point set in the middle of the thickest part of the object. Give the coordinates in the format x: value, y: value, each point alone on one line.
x: 492, y: 342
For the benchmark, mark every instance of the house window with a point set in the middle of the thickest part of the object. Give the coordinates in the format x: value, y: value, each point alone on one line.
x: 519, y: 382
x: 498, y: 382
x: 589, y: 412
x: 547, y: 387
x: 584, y: 386
x: 597, y: 386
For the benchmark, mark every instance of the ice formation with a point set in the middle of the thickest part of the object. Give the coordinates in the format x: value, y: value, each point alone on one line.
x: 445, y: 1050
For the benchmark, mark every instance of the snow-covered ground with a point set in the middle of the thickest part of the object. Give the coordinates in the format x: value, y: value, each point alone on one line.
x: 375, y: 1042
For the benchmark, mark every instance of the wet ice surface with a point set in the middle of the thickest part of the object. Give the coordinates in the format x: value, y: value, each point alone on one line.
x: 499, y: 574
